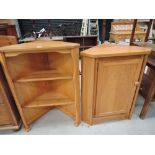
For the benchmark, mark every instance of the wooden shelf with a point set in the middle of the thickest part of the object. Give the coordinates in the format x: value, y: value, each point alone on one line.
x: 49, y: 99
x: 44, y: 75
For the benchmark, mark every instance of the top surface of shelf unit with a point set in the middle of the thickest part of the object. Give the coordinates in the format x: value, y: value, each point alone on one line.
x: 108, y: 50
x: 37, y: 46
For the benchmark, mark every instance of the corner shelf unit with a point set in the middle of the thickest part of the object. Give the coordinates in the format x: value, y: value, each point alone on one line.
x: 43, y: 75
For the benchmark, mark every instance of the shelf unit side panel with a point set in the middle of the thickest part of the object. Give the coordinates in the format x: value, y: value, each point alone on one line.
x: 88, y: 88
x: 73, y: 90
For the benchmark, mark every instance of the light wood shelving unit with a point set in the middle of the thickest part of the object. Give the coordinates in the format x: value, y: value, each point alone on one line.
x: 43, y: 75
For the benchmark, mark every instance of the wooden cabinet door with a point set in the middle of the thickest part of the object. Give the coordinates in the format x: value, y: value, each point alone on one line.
x: 117, y: 79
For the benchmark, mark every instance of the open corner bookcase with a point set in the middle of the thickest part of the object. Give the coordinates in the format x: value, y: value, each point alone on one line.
x: 43, y: 75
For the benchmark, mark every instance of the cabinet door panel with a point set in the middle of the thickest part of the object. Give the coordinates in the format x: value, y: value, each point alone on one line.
x: 116, y: 84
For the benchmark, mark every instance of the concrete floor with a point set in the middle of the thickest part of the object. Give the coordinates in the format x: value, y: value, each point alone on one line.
x: 55, y: 122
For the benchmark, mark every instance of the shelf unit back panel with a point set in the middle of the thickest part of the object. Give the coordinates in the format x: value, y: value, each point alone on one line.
x: 27, y: 92
x: 26, y: 64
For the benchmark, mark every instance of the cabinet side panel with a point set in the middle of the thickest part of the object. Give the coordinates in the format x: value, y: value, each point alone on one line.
x: 88, y: 87
x: 142, y: 66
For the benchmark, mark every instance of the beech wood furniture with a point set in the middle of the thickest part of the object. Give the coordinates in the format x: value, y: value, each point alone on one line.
x: 9, y: 116
x: 43, y: 75
x: 123, y: 30
x: 111, y: 77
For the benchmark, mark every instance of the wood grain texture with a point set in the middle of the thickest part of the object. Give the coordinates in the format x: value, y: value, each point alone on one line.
x: 45, y: 75
x: 73, y: 90
x: 49, y: 99
x: 11, y: 85
x: 116, y: 85
x: 38, y: 46
x: 110, y: 84
x: 43, y: 79
x: 115, y: 50
x: 140, y: 80
x: 88, y: 88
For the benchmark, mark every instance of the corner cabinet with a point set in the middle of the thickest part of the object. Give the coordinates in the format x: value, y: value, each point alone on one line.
x: 111, y: 76
x: 43, y: 75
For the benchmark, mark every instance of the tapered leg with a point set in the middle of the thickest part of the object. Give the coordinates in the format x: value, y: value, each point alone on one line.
x: 148, y: 99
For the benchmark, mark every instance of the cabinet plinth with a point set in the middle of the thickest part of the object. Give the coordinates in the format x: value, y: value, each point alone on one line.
x: 110, y: 85
x: 43, y: 75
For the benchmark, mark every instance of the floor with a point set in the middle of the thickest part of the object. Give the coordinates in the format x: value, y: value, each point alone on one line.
x: 55, y: 122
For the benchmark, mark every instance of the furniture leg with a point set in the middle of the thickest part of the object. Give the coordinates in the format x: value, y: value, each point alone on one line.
x: 148, y: 99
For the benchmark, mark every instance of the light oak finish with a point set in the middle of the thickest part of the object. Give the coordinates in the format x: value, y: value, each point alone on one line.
x: 43, y: 75
x: 109, y: 50
x: 111, y: 76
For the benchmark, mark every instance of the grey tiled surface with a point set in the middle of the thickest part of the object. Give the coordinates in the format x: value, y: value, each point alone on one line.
x: 55, y: 122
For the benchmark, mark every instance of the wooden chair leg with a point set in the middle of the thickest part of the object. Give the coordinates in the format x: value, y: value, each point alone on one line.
x: 148, y: 99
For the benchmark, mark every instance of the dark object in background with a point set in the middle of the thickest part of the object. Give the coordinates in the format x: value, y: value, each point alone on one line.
x: 104, y: 29
x: 85, y: 42
x: 55, y: 27
x: 6, y: 29
x: 108, y: 28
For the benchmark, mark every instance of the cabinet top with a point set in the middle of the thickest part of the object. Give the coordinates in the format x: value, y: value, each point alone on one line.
x: 108, y: 50
x: 38, y: 46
